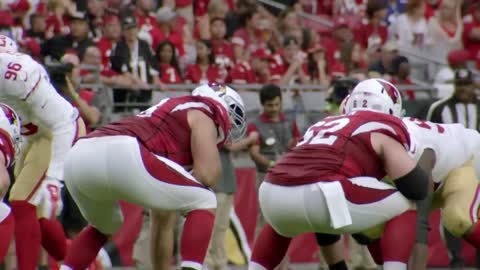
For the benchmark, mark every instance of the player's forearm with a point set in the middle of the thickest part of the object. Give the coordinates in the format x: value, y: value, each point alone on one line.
x: 260, y: 159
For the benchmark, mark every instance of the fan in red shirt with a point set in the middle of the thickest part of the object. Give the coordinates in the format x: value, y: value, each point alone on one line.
x: 58, y: 21
x: 401, y: 75
x: 471, y: 35
x: 205, y: 69
x: 249, y: 32
x: 170, y: 28
x: 167, y: 62
x: 292, y: 66
x: 112, y: 32
x: 222, y: 48
x: 145, y: 19
x: 372, y: 31
x: 242, y: 71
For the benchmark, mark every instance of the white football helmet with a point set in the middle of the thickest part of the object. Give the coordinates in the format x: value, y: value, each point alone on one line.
x: 7, y: 45
x: 232, y: 102
x: 10, y: 123
x: 375, y: 95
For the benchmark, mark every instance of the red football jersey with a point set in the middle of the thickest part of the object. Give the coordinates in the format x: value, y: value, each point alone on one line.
x: 338, y: 148
x: 163, y: 129
x: 6, y: 148
x: 169, y: 74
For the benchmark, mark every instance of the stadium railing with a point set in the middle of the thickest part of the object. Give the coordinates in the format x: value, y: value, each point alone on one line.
x: 306, y: 102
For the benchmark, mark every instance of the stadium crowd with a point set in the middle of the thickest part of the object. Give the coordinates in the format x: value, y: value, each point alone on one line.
x: 136, y: 43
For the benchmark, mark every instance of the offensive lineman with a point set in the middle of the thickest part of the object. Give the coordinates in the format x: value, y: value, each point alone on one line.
x: 329, y: 183
x: 447, y: 152
x: 50, y: 125
x: 144, y: 159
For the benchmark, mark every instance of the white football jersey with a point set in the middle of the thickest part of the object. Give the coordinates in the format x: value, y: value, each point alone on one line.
x: 25, y: 86
x: 453, y: 144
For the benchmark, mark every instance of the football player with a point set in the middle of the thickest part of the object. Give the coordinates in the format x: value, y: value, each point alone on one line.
x: 49, y: 127
x: 146, y: 159
x: 10, y: 141
x: 446, y: 152
x: 330, y: 182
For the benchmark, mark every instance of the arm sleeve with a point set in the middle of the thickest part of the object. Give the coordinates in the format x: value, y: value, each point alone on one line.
x: 423, y: 212
x: 59, y: 117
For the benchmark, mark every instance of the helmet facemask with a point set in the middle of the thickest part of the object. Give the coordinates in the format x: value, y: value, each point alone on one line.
x: 236, y: 114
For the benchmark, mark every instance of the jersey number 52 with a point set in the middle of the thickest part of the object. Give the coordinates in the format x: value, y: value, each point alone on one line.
x: 321, y: 132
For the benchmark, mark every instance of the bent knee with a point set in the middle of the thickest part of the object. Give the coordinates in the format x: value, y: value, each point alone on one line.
x: 456, y: 220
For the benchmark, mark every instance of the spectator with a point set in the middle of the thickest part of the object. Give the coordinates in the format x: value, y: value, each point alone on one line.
x: 372, y: 32
x: 8, y: 26
x: 249, y: 30
x: 219, y: 8
x: 58, y: 17
x: 92, y: 70
x: 204, y: 70
x: 461, y: 107
x: 38, y: 27
x: 170, y: 29
x: 317, y: 66
x: 77, y: 40
x: 316, y: 7
x: 277, y: 134
x: 96, y: 12
x: 216, y: 9
x: 222, y: 48
x: 167, y: 63
x: 184, y: 8
x: 68, y: 86
x: 431, y: 7
x: 401, y: 75
x: 290, y: 25
x: 342, y: 34
x: 352, y: 56
x: 348, y: 8
x: 445, y: 28
x: 294, y: 69
x: 132, y: 57
x: 242, y: 71
x: 410, y: 28
x: 384, y: 65
x: 112, y: 33
x: 395, y: 8
x: 471, y: 34
x: 234, y: 18
x: 147, y: 24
